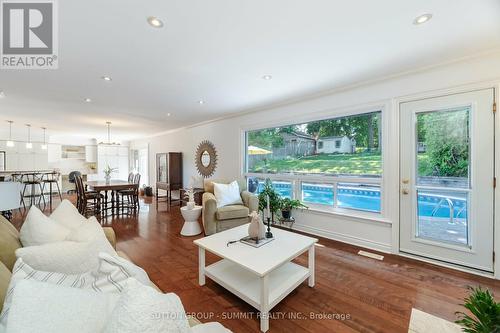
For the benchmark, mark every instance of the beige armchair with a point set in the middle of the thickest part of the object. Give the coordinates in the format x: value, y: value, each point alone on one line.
x: 227, y: 217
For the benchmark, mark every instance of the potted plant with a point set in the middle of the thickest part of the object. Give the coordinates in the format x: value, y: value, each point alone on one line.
x: 274, y: 198
x: 485, y: 312
x: 108, y: 171
x: 286, y: 206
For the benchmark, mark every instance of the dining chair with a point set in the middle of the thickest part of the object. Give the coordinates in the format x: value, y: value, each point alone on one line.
x: 87, y: 201
x: 130, y: 197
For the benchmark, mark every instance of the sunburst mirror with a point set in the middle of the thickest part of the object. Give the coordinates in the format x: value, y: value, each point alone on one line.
x: 206, y: 158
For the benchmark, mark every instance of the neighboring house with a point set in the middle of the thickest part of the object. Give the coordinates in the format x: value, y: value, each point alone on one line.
x: 336, y: 144
x: 295, y: 144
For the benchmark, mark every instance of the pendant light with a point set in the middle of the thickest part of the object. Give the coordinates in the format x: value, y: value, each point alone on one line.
x: 109, y: 143
x: 29, y: 144
x: 10, y: 143
x: 44, y: 144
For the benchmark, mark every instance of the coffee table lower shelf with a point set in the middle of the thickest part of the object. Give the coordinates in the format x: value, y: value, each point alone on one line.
x: 247, y: 285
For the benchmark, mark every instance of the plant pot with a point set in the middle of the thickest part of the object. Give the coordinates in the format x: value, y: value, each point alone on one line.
x: 286, y: 214
x: 190, y: 205
x: 148, y: 190
x: 107, y: 178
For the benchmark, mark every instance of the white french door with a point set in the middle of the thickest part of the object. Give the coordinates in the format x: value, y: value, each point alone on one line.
x: 447, y: 176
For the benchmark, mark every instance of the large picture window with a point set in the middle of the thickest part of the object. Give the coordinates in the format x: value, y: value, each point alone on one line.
x: 345, y: 153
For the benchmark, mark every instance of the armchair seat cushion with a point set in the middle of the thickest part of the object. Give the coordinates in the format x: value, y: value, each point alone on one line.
x: 232, y: 212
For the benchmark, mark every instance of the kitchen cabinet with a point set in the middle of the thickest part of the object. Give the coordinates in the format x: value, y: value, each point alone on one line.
x: 54, y: 153
x: 91, y: 154
x: 114, y: 157
x: 20, y: 158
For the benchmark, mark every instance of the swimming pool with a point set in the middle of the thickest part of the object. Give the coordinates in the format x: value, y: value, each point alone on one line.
x: 367, y: 198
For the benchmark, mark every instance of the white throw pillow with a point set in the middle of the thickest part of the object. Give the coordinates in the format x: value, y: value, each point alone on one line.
x: 87, y: 231
x: 227, y: 194
x: 143, y: 309
x: 110, y: 277
x: 66, y: 257
x: 38, y: 229
x: 67, y: 215
x: 43, y: 307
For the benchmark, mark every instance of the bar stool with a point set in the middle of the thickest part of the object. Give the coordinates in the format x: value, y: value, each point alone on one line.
x: 32, y: 181
x: 49, y: 179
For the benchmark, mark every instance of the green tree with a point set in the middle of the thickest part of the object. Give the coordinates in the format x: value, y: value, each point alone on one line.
x: 446, y: 139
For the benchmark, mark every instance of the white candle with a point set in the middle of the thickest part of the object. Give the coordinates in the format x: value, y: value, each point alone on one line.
x: 268, y: 210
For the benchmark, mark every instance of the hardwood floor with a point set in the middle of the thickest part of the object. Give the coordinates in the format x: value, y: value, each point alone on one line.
x: 368, y: 295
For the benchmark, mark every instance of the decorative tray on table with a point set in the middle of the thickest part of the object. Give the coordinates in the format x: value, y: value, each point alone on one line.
x: 255, y: 242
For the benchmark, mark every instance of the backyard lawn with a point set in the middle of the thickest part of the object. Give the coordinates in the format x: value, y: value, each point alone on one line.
x: 360, y: 163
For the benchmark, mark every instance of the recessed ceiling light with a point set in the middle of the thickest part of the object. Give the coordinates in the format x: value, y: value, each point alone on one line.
x: 422, y: 19
x: 2, y: 94
x: 155, y: 22
x: 106, y: 78
x: 267, y: 77
x: 169, y: 114
x: 201, y: 102
x: 87, y: 100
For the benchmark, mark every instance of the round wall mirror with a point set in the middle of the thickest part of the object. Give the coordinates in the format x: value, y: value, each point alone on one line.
x: 206, y: 159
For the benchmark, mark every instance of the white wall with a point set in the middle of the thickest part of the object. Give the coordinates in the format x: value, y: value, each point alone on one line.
x: 226, y: 134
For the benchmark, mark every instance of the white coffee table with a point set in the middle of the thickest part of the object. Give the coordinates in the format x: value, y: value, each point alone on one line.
x: 262, y: 276
x: 191, y: 226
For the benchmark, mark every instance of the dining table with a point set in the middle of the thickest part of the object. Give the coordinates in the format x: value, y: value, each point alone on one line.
x: 112, y: 186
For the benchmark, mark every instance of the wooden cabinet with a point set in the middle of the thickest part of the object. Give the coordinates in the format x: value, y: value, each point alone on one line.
x: 169, y: 169
x: 168, y: 174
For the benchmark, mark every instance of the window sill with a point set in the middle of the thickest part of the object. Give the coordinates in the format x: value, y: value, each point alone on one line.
x: 355, y: 215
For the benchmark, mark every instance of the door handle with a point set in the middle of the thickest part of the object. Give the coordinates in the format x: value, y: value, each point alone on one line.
x: 405, y: 191
x: 405, y: 181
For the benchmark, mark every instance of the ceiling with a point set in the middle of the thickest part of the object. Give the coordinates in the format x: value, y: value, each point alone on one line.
x: 219, y: 50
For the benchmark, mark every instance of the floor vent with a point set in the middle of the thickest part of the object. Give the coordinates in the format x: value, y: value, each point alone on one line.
x: 371, y: 255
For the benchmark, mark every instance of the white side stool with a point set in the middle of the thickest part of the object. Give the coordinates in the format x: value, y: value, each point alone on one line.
x: 191, y: 226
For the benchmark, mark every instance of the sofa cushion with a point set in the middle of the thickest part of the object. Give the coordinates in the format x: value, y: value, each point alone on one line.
x: 232, y: 212
x: 5, y: 275
x: 9, y: 243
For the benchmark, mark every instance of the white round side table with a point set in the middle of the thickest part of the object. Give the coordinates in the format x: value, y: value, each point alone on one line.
x: 191, y: 226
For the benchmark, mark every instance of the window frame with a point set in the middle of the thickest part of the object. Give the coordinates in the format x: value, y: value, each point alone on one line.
x: 297, y: 180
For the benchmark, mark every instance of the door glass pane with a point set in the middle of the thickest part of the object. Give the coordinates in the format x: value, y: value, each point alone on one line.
x: 443, y: 148
x: 359, y: 196
x: 443, y: 216
x: 443, y: 169
x: 316, y: 193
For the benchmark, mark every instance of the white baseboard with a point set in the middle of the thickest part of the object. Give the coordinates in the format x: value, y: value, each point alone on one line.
x: 366, y: 243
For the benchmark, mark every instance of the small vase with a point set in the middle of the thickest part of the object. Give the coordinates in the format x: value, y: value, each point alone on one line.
x: 190, y: 205
x: 107, y: 178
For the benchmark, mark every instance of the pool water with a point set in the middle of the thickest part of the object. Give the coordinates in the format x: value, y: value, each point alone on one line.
x: 367, y: 198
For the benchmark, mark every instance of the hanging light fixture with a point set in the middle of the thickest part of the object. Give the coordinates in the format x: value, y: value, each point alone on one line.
x: 29, y: 144
x: 109, y: 143
x: 10, y: 143
x: 44, y: 144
